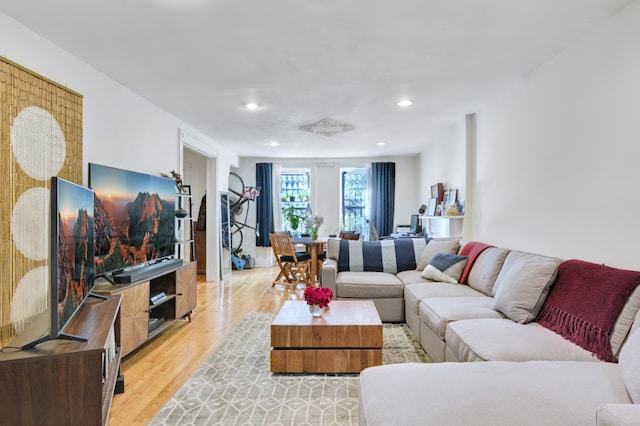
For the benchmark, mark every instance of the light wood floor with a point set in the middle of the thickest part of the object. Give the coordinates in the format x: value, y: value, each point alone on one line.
x: 157, y: 370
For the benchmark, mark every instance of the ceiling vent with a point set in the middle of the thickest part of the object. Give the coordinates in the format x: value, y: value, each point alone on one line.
x: 327, y: 127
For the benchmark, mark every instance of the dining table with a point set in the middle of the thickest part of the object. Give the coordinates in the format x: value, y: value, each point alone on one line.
x: 314, y: 248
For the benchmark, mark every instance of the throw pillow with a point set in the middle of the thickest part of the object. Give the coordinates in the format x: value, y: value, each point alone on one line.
x: 472, y: 249
x: 445, y: 267
x: 437, y: 246
x: 586, y: 300
x: 523, y: 285
x: 629, y: 364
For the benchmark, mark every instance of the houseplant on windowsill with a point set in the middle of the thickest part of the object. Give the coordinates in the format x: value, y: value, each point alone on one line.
x: 318, y: 299
x: 313, y: 223
x: 292, y: 217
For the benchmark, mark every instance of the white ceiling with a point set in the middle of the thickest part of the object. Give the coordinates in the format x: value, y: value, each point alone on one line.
x: 305, y: 60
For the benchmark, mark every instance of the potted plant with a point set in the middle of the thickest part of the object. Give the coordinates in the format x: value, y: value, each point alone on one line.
x: 313, y: 222
x: 292, y: 217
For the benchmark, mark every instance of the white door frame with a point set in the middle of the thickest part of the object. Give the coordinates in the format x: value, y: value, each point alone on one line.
x: 213, y: 204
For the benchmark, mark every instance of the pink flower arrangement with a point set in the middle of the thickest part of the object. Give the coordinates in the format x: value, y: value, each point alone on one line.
x: 320, y: 296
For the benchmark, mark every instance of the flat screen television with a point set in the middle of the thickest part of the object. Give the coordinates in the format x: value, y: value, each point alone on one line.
x: 71, y: 263
x: 70, y: 258
x: 134, y: 218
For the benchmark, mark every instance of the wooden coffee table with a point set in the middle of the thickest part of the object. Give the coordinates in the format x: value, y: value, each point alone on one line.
x: 346, y: 339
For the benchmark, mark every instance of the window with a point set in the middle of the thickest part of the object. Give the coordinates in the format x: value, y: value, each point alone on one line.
x: 355, y: 196
x: 294, y: 197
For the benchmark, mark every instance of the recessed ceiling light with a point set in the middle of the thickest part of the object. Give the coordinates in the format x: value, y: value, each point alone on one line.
x: 404, y: 103
x: 252, y: 106
x: 274, y: 143
x: 381, y: 143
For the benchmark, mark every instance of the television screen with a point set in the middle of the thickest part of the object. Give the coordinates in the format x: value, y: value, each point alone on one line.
x: 134, y: 217
x: 71, y: 262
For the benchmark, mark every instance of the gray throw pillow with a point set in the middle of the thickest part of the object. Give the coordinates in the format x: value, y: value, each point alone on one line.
x: 437, y: 246
x: 523, y: 285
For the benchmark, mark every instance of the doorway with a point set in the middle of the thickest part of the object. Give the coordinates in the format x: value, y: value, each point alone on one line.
x: 198, y: 164
x: 194, y: 168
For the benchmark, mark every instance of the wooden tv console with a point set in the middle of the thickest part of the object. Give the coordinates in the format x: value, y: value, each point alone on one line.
x: 142, y: 319
x: 61, y: 381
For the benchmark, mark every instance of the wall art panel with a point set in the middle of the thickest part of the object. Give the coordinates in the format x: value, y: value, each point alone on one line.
x: 41, y: 136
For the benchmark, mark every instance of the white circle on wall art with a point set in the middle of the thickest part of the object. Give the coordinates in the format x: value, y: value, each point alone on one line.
x: 31, y: 297
x: 38, y: 143
x: 30, y: 223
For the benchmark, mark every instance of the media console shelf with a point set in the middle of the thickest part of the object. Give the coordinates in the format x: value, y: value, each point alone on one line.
x: 149, y: 306
x: 61, y: 381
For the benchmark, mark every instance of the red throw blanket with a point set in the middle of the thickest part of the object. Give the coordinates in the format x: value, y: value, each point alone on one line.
x: 472, y: 250
x: 585, y: 302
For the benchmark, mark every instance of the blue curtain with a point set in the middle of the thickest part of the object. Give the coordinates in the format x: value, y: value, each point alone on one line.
x: 383, y: 195
x: 264, y: 204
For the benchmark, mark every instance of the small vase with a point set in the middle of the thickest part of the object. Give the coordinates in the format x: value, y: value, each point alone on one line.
x: 313, y: 233
x: 316, y: 310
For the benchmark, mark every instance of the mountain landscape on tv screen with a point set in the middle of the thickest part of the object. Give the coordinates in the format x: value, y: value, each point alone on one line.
x: 132, y: 233
x: 75, y: 262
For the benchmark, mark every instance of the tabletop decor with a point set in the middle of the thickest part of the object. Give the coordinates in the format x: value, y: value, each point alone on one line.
x: 313, y: 222
x: 318, y: 299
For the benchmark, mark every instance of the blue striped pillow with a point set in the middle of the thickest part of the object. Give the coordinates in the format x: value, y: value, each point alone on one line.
x: 391, y: 256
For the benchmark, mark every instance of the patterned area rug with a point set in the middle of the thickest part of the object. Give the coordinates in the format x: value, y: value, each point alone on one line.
x: 235, y: 387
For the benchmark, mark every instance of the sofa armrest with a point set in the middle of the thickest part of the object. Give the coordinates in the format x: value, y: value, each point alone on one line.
x: 328, y: 274
x: 618, y: 414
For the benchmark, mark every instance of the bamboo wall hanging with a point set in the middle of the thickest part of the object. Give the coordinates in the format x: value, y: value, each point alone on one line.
x: 41, y: 137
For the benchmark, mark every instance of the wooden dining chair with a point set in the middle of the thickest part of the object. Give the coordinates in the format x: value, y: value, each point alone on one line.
x: 294, y: 267
x: 349, y: 236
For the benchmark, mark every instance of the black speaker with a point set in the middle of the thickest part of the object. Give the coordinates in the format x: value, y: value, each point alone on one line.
x: 119, y: 385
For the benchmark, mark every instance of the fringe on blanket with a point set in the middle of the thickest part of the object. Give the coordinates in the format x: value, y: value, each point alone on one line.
x: 577, y: 331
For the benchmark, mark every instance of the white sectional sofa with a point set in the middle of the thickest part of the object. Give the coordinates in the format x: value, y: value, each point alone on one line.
x: 506, y: 392
x: 544, y: 338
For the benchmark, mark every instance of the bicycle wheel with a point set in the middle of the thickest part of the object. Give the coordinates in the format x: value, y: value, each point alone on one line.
x: 236, y: 238
x: 236, y: 189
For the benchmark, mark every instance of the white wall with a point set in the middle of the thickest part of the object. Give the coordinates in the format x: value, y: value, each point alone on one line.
x: 557, y: 156
x: 444, y: 160
x: 325, y: 192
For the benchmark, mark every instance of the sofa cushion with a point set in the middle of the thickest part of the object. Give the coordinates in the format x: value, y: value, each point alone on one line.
x: 504, y: 340
x: 586, y: 300
x: 438, y: 312
x: 434, y: 247
x: 523, y: 285
x: 445, y: 268
x: 497, y: 393
x: 389, y: 256
x: 365, y: 285
x: 412, y: 276
x: 486, y: 268
x: 415, y: 292
x: 629, y: 363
